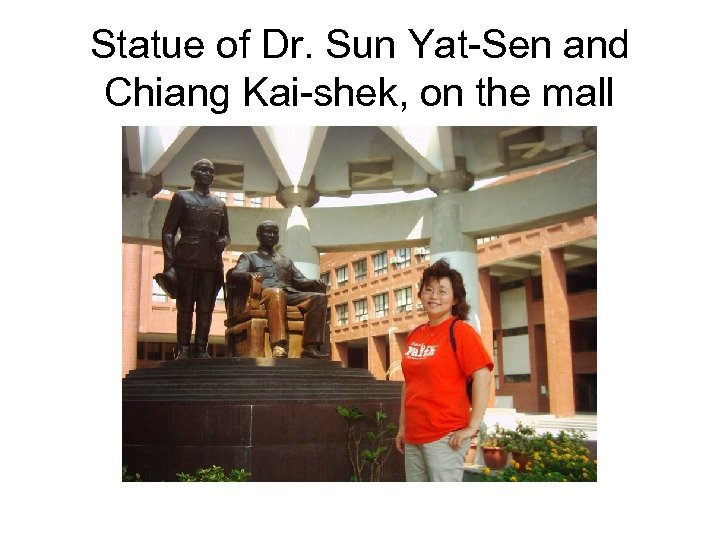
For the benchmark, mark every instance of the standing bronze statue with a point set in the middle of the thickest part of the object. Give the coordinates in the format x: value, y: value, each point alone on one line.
x: 284, y: 285
x: 193, y: 269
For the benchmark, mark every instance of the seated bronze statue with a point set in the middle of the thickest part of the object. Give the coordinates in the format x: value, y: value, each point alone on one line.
x: 267, y: 279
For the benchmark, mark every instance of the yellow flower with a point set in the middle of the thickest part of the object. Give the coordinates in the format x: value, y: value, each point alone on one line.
x: 516, y: 464
x: 513, y: 479
x: 486, y: 470
x: 585, y: 474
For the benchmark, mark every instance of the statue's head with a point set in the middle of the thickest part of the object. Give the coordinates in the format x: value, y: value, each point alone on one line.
x: 268, y: 233
x: 203, y: 172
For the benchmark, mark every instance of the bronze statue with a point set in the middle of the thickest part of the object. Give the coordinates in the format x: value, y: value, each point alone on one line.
x: 193, y: 268
x: 284, y: 285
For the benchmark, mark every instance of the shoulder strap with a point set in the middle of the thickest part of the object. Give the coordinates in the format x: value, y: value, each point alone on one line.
x: 468, y: 383
x: 452, y: 335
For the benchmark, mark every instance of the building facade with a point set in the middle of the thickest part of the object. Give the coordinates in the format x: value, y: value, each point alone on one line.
x: 533, y: 284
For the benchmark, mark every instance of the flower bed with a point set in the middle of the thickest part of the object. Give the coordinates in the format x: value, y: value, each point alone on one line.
x: 563, y: 458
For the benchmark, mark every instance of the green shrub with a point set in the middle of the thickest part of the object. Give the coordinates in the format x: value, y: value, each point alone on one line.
x: 372, y: 452
x: 214, y: 473
x: 127, y: 477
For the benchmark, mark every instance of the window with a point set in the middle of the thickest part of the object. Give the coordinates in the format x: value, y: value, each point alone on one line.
x: 360, y: 269
x: 154, y: 351
x: 223, y: 196
x: 401, y: 258
x: 380, y: 263
x: 158, y: 295
x: 403, y: 299
x: 256, y: 202
x: 239, y: 199
x: 525, y: 377
x: 341, y: 275
x: 381, y: 304
x: 341, y: 311
x: 361, y: 309
x: 515, y: 354
x: 325, y: 278
x: 422, y: 253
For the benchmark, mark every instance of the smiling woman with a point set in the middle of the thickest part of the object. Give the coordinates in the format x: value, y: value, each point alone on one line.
x: 436, y: 424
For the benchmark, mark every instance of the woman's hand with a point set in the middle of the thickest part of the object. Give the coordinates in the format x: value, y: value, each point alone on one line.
x: 457, y: 437
x: 400, y: 441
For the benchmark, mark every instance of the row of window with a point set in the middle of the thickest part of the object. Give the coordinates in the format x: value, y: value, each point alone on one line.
x: 238, y: 199
x: 235, y: 199
x: 380, y: 306
x: 401, y: 259
x: 158, y: 295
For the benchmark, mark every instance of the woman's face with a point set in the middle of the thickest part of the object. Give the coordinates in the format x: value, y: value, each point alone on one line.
x: 438, y: 299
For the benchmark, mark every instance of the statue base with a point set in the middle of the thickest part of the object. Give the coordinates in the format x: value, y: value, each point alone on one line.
x: 264, y: 362
x: 275, y: 418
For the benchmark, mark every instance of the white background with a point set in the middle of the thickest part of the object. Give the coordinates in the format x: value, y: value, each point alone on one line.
x: 61, y: 396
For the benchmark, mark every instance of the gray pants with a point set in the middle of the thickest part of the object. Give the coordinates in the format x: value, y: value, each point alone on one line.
x: 435, y: 461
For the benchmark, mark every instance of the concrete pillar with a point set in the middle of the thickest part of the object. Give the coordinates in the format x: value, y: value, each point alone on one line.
x: 557, y: 333
x: 296, y: 244
x: 459, y: 249
x: 396, y: 344
x: 339, y: 352
x: 377, y: 358
x: 486, y: 322
x: 131, y: 274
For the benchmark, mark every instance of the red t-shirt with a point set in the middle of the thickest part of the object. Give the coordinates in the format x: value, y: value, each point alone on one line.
x: 435, y: 399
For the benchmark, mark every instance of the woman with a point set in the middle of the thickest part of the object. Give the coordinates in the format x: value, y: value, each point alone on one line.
x: 436, y: 423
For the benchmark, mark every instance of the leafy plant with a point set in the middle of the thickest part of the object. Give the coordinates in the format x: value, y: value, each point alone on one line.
x: 127, y: 477
x: 522, y: 439
x: 491, y: 439
x: 564, y: 458
x: 214, y: 473
x: 370, y: 450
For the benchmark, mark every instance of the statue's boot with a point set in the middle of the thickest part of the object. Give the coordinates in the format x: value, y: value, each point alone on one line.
x: 184, y: 329
x: 312, y: 350
x: 202, y: 332
x: 183, y: 352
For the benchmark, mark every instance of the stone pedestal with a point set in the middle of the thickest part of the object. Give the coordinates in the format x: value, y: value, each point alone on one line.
x: 275, y: 418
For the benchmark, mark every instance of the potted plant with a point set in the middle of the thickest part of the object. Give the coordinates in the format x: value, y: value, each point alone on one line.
x: 521, y: 442
x: 494, y: 454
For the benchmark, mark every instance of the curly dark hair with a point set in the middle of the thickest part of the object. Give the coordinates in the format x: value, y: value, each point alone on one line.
x: 440, y: 269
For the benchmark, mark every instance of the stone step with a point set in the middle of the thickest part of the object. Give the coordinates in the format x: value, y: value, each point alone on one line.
x: 343, y: 398
x: 246, y: 374
x: 265, y: 382
x: 551, y: 423
x: 223, y: 380
x: 246, y: 371
x: 257, y: 388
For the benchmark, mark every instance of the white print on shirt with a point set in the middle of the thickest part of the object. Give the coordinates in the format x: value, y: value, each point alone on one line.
x: 420, y: 351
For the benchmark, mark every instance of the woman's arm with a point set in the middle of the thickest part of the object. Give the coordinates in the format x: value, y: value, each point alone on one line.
x: 480, y: 395
x: 400, y: 437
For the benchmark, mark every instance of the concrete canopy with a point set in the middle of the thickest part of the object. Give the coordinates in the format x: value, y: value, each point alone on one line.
x: 553, y: 169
